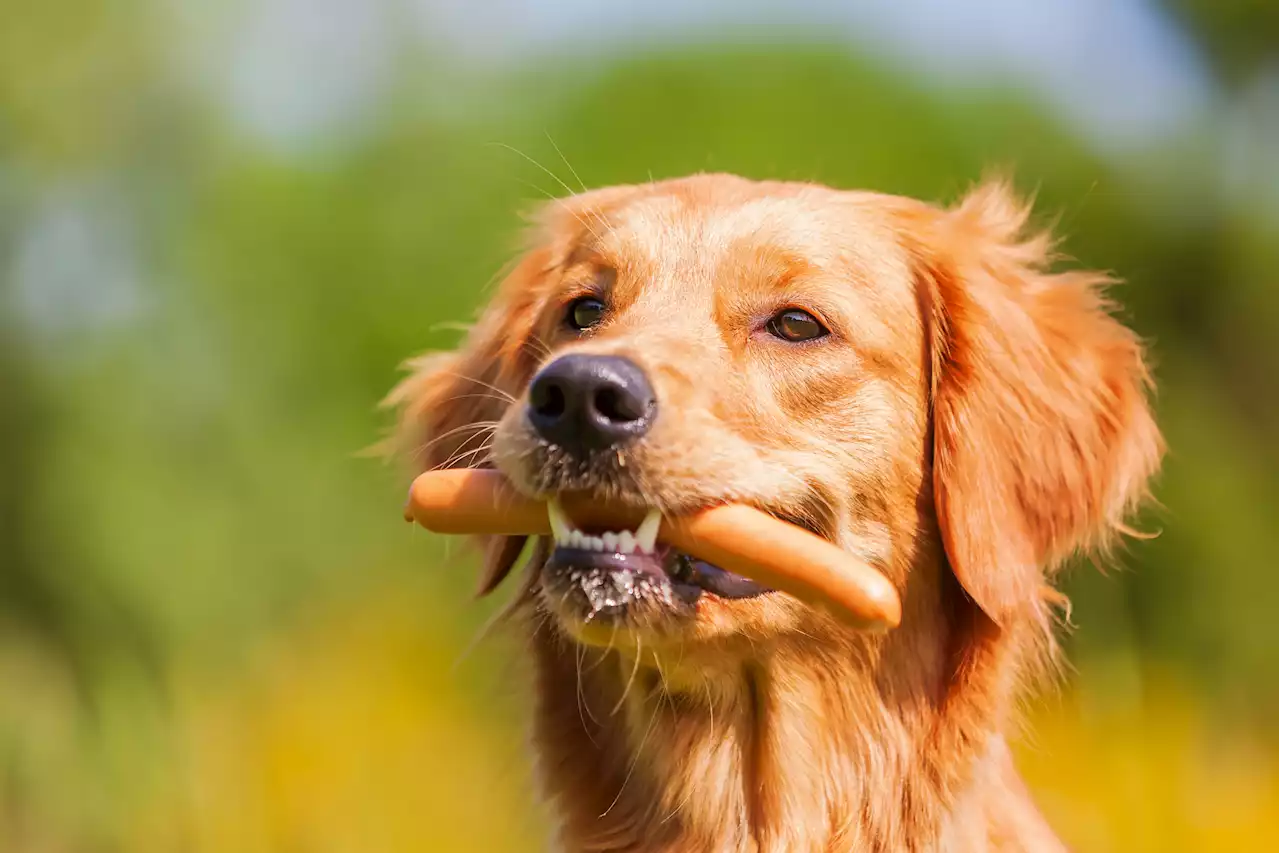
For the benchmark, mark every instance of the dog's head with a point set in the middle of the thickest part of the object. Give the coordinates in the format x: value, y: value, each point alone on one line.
x: 886, y: 373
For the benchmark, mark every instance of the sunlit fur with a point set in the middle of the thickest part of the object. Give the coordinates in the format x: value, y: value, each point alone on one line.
x: 972, y: 420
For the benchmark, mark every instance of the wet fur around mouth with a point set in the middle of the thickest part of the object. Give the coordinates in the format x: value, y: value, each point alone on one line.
x: 594, y: 586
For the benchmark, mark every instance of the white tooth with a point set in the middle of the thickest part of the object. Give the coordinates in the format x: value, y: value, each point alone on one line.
x: 560, y: 527
x: 597, y: 544
x: 610, y: 541
x: 626, y: 542
x: 575, y: 539
x: 647, y: 532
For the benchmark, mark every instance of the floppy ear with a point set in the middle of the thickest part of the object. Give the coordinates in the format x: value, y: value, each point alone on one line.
x: 451, y: 402
x: 1043, y: 438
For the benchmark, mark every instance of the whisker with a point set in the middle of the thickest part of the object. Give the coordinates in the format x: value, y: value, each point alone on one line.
x: 711, y: 701
x: 635, y: 759
x: 531, y: 185
x: 711, y: 706
x: 627, y: 690
x: 503, y: 271
x: 562, y: 203
x: 541, y: 349
x: 667, y: 692
x: 707, y: 681
x: 453, y: 461
x: 450, y: 326
x: 475, y: 397
x: 582, y: 703
x: 613, y: 636
x: 478, y: 425
x: 548, y: 172
x: 505, y: 393
x: 565, y: 159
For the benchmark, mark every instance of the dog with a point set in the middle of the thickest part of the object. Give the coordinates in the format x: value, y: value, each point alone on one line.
x: 916, y: 384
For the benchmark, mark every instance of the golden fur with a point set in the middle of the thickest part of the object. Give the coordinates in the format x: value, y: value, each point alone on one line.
x: 973, y: 419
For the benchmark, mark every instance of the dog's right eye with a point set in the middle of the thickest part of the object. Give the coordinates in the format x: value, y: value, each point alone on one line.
x: 796, y: 326
x: 584, y: 313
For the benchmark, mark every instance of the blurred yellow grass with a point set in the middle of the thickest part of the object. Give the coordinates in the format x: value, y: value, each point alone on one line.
x: 358, y: 729
x: 351, y: 734
x: 1150, y: 775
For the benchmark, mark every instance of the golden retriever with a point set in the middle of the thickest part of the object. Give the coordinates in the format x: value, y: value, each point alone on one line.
x: 913, y: 383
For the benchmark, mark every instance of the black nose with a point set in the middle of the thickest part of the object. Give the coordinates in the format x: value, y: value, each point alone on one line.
x: 590, y: 402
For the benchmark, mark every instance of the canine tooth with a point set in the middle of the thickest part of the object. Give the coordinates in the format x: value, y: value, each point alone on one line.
x: 626, y: 542
x: 647, y: 532
x: 610, y: 541
x: 560, y: 527
x: 575, y: 539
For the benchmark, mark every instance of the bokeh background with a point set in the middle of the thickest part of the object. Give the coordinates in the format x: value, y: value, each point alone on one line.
x: 224, y: 224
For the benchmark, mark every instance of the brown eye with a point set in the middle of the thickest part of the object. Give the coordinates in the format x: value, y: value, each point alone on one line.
x: 796, y: 325
x: 584, y: 313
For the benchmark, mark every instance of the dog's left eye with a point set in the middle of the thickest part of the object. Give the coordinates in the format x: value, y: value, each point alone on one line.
x: 584, y: 313
x: 796, y: 325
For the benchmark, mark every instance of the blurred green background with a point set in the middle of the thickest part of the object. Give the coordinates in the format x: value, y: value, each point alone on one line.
x: 223, y: 225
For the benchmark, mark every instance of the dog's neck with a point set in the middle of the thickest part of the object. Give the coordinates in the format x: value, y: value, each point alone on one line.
x: 847, y: 743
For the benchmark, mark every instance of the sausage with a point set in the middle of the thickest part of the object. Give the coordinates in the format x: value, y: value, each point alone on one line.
x: 735, y: 537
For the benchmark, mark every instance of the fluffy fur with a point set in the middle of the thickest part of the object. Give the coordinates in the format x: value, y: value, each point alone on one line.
x: 973, y: 419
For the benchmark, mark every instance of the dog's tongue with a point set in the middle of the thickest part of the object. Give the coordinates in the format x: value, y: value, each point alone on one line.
x: 716, y: 580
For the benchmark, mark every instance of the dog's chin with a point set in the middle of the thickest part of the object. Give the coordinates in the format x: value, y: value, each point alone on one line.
x: 596, y: 595
x: 600, y: 596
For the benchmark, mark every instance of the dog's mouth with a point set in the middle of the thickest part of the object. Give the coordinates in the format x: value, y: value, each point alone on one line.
x: 598, y: 574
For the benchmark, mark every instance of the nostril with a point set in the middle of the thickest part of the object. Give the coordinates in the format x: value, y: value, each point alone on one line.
x: 618, y: 406
x: 547, y: 399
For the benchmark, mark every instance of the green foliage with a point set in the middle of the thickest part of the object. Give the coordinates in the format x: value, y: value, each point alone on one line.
x: 1239, y: 35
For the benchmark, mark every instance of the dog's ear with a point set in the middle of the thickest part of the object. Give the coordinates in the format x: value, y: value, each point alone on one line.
x: 451, y: 402
x: 1042, y: 435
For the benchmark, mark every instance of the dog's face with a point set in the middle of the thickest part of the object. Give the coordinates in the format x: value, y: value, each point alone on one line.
x: 692, y: 349
x: 874, y: 369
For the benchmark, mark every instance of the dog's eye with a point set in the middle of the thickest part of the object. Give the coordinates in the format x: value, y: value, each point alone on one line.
x: 796, y: 325
x: 584, y: 313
